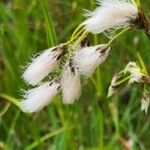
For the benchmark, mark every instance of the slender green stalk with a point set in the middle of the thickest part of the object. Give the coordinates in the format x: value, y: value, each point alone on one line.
x: 50, y: 30
x: 80, y: 39
x: 117, y: 35
x: 102, y: 129
x: 76, y: 31
x: 10, y: 99
x: 123, y: 80
x: 142, y: 63
x: 4, y: 110
x: 46, y: 137
x: 93, y: 81
x: 99, y: 86
x: 76, y: 36
x: 12, y: 127
x: 99, y: 83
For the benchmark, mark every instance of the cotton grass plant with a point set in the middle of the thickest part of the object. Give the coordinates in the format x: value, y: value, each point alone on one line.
x: 73, y: 61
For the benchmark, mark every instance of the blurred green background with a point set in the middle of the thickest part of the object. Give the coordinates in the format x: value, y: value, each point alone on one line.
x: 94, y: 122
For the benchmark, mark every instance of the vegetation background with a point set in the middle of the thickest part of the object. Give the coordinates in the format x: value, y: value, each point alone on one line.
x: 93, y: 122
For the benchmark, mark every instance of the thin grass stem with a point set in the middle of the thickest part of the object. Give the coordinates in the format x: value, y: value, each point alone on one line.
x: 118, y: 35
x: 76, y: 30
x: 46, y: 137
x: 10, y: 99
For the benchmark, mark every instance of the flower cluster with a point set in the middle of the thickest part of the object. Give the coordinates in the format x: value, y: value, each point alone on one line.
x: 132, y: 74
x: 81, y: 60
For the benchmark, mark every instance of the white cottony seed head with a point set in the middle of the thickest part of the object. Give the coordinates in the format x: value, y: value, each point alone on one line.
x: 111, y: 14
x: 37, y: 98
x: 41, y: 66
x: 113, y: 87
x: 135, y: 71
x: 70, y: 83
x: 88, y: 58
x: 145, y: 102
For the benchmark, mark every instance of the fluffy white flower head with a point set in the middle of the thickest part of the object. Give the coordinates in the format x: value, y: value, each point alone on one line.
x: 145, y: 102
x: 135, y: 71
x: 111, y: 14
x: 41, y: 66
x: 88, y: 58
x: 70, y: 83
x: 37, y: 98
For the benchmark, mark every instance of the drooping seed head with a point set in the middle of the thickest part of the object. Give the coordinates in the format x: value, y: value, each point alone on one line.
x: 39, y: 97
x: 70, y: 84
x: 111, y: 14
x: 42, y: 65
x: 88, y: 58
x: 114, y: 86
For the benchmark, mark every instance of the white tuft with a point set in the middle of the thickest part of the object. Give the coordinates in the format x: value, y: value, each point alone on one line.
x: 70, y: 83
x: 41, y: 66
x: 135, y: 71
x: 113, y: 87
x: 145, y: 102
x: 88, y: 58
x: 37, y: 98
x: 111, y: 14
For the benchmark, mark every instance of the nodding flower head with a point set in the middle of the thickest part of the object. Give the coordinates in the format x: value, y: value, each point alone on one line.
x: 88, y: 58
x: 70, y: 83
x: 111, y: 14
x: 41, y: 66
x: 135, y: 71
x: 114, y: 86
x: 145, y: 102
x: 37, y: 98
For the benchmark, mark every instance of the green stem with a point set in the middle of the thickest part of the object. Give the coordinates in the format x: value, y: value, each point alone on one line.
x: 98, y: 86
x: 76, y: 30
x: 75, y: 37
x: 123, y: 80
x: 12, y: 129
x: 142, y: 63
x: 10, y: 99
x: 145, y: 88
x: 119, y: 34
x: 122, y: 71
x: 46, y: 137
x: 99, y: 83
x: 81, y: 38
x: 93, y: 81
x: 4, y: 110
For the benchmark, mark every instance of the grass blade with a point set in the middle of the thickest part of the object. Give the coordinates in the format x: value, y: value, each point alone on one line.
x: 50, y: 30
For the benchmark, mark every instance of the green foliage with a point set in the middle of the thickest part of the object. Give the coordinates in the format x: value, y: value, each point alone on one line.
x: 93, y: 122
